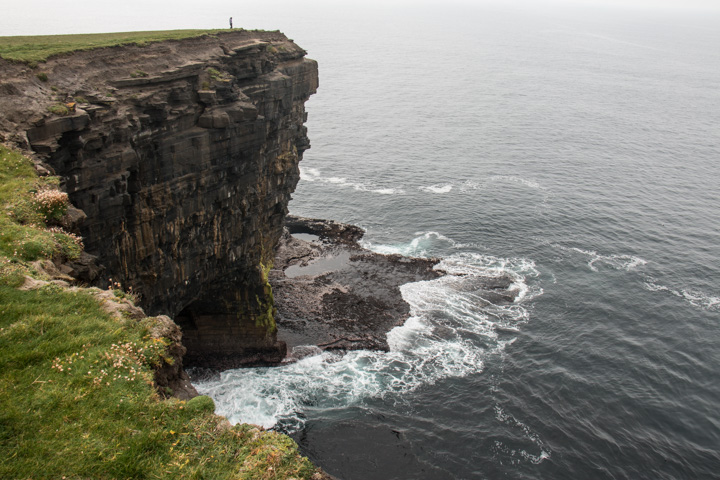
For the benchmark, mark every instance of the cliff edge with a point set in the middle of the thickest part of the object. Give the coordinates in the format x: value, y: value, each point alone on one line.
x: 180, y: 158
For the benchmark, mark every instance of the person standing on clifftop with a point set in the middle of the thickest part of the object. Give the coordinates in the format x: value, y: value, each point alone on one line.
x: 230, y: 23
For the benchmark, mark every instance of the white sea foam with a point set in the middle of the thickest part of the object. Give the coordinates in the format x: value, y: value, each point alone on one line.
x: 529, y: 434
x: 388, y: 191
x: 314, y: 175
x: 309, y: 174
x: 439, y: 188
x: 617, y: 262
x: 469, y: 185
x: 423, y: 245
x: 417, y: 247
x: 546, y: 193
x: 515, y: 179
x: 449, y: 334
x: 474, y: 264
x: 337, y: 181
x: 693, y: 297
x: 472, y: 185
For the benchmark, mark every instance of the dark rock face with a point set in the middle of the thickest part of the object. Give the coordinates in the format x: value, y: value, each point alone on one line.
x: 170, y: 378
x: 328, y: 231
x: 183, y: 156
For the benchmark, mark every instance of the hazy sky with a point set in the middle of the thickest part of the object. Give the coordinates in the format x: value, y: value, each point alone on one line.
x: 37, y: 17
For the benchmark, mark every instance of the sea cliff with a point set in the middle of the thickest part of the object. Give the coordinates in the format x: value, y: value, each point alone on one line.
x: 180, y: 158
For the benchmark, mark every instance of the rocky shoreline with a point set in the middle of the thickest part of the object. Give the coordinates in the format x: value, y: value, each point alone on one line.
x: 333, y: 294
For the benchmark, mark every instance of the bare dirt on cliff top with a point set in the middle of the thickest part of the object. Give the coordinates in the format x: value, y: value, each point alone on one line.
x: 27, y: 91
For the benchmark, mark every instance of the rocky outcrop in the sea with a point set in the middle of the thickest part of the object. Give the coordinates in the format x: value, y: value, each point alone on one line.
x: 333, y: 294
x: 181, y: 156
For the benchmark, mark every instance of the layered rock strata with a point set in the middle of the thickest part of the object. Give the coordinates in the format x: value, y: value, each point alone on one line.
x: 182, y: 156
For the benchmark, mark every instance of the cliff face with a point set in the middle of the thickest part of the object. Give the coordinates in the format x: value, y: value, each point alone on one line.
x: 182, y: 156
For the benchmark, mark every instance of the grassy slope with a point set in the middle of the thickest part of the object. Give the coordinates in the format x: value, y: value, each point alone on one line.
x: 40, y: 47
x: 24, y: 236
x: 76, y: 394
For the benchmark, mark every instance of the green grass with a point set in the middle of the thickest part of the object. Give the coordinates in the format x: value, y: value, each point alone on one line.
x: 76, y: 401
x: 39, y: 48
x: 76, y: 393
x: 24, y: 233
x: 59, y: 109
x: 17, y: 175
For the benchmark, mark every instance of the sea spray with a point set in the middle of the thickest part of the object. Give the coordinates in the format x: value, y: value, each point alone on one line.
x: 446, y: 336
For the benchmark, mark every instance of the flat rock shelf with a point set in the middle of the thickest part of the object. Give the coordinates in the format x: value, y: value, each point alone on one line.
x: 333, y: 294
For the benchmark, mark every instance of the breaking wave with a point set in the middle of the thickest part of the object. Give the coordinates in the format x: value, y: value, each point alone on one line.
x: 423, y: 245
x: 450, y: 333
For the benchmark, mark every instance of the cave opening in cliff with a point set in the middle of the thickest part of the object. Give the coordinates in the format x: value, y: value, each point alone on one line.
x: 186, y: 319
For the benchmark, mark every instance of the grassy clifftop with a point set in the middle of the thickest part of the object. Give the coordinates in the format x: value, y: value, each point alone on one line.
x: 76, y: 382
x: 39, y: 48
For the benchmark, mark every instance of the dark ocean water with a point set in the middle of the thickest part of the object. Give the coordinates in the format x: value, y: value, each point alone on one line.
x: 578, y: 151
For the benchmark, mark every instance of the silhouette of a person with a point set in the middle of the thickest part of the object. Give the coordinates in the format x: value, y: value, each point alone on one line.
x: 230, y: 23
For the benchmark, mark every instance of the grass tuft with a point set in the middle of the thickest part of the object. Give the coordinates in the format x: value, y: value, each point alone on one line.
x: 217, y: 75
x: 59, y: 109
